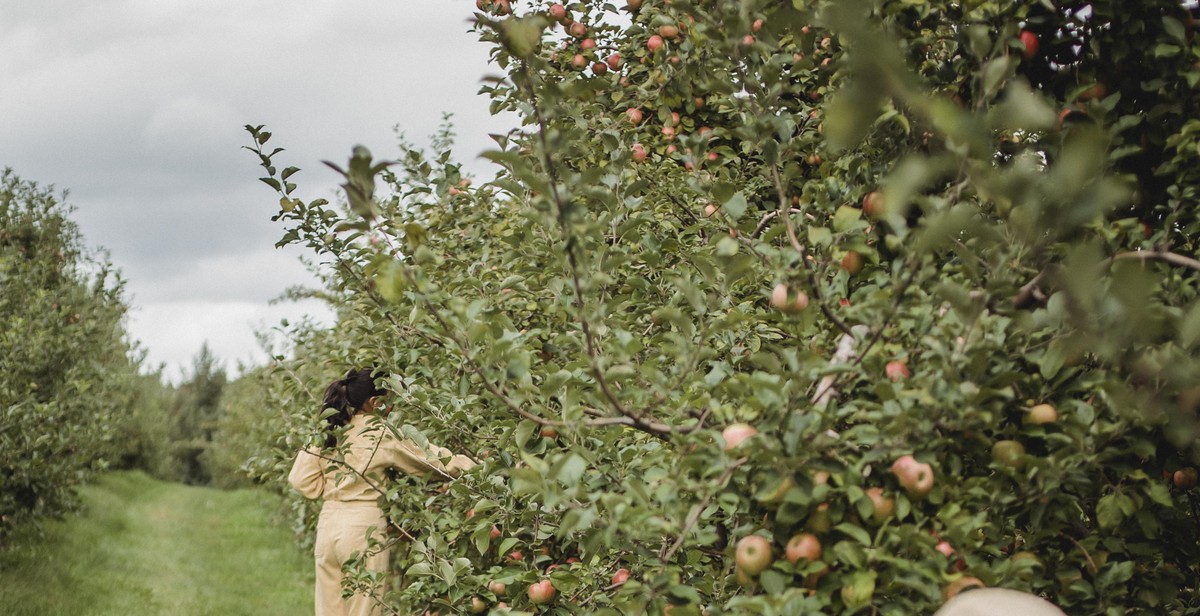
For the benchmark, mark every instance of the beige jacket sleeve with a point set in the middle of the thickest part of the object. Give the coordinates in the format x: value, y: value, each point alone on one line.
x: 308, y: 474
x: 410, y: 458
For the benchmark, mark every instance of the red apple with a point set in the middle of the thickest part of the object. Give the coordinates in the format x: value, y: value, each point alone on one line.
x: 804, y: 545
x: 945, y: 548
x: 495, y: 533
x: 915, y: 477
x: 884, y: 507
x: 711, y: 209
x: 541, y: 592
x: 753, y: 554
x: 634, y: 114
x: 872, y: 204
x: 654, y: 42
x: 599, y: 68
x: 620, y: 577
x: 497, y: 588
x: 668, y: 31
x: 668, y: 132
x: 633, y: 5
x: 748, y: 40
x: 756, y: 26
x: 614, y: 61
x: 852, y: 262
x: 579, y: 62
x: 558, y: 12
x: 587, y: 43
x: 1185, y: 478
x: 577, y: 30
x: 735, y: 434
x: 515, y: 555
x: 896, y: 370
x: 639, y: 152
x: 1030, y: 41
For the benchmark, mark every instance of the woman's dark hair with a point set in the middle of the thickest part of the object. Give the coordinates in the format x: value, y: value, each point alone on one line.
x: 347, y: 396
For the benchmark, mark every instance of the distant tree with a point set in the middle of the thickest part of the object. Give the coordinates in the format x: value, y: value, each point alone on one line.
x: 194, y: 416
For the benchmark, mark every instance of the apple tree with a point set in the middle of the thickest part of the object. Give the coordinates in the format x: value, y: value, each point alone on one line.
x: 68, y: 380
x: 821, y: 306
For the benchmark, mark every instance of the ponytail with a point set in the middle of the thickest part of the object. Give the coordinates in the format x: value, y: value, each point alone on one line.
x: 346, y: 397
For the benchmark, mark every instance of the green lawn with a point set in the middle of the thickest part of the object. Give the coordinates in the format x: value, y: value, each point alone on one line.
x: 148, y: 547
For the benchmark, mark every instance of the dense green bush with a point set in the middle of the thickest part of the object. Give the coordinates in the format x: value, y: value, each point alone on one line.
x: 67, y: 379
x: 588, y: 323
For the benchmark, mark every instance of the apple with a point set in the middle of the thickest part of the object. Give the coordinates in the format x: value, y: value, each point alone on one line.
x: 814, y: 159
x: 577, y: 30
x: 620, y: 577
x: 668, y: 132
x: 753, y: 554
x: 953, y: 588
x: 668, y: 31
x: 756, y: 26
x: 872, y: 204
x: 803, y: 546
x: 884, y: 506
x: 735, y: 434
x: 639, y: 152
x: 783, y: 301
x: 748, y: 40
x: 587, y: 43
x: 1185, y: 478
x: 515, y: 555
x: 1030, y: 41
x: 541, y: 592
x: 503, y: 7
x: 945, y: 548
x: 743, y: 579
x: 634, y: 114
x: 495, y: 533
x: 915, y: 477
x: 852, y: 262
x: 711, y: 209
x: 1009, y: 453
x: 896, y: 370
x: 654, y: 42
x: 579, y: 62
x: 599, y: 68
x: 614, y: 61
x: 819, y: 521
x: 1041, y: 414
x: 633, y: 5
x: 497, y: 588
x: 478, y: 605
x: 558, y: 12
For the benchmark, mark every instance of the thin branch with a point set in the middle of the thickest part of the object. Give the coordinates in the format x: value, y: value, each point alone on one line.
x: 1158, y: 255
x: 698, y: 509
x: 791, y: 233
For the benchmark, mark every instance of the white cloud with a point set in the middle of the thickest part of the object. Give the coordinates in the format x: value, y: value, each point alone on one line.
x: 137, y: 107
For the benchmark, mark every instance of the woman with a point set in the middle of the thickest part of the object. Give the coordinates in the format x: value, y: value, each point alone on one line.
x: 350, y: 479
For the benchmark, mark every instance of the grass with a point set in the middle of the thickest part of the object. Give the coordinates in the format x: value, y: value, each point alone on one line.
x: 148, y: 547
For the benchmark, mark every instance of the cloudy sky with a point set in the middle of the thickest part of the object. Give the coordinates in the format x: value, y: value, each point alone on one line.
x: 137, y: 107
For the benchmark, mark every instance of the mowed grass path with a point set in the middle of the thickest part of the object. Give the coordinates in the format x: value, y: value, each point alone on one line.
x: 147, y: 547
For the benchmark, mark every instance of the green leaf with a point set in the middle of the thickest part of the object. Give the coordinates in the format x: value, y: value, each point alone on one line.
x: 1108, y: 512
x: 736, y: 205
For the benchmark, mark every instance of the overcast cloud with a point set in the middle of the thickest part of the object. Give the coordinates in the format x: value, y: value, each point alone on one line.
x: 137, y: 106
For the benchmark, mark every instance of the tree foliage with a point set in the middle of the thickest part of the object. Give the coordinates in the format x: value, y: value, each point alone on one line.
x: 986, y: 207
x: 67, y: 376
